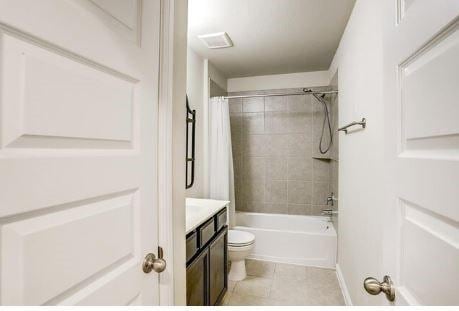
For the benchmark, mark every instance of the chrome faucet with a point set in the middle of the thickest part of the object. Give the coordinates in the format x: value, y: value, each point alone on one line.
x: 331, y: 199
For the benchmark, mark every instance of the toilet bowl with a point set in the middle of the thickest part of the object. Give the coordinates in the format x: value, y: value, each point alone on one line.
x: 240, y: 244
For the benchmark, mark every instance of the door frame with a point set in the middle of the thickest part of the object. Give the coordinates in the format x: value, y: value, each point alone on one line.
x: 171, y: 150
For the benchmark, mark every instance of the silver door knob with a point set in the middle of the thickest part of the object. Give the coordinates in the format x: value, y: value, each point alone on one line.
x: 374, y: 287
x: 151, y: 263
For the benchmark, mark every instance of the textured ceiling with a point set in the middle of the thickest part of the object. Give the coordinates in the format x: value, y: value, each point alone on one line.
x: 269, y: 36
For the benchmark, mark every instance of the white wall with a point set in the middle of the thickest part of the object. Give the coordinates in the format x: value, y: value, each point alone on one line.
x: 359, y: 62
x: 217, y: 76
x: 199, y: 71
x: 281, y: 81
x: 195, y: 80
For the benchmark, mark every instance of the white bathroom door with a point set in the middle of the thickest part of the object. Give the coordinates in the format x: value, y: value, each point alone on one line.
x: 78, y: 103
x: 421, y: 227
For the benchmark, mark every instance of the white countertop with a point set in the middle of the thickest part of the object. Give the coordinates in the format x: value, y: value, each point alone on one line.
x: 199, y: 210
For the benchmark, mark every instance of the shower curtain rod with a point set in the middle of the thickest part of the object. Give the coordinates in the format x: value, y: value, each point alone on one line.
x: 305, y: 92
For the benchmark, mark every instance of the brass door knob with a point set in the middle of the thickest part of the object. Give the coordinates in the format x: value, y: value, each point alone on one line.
x: 374, y: 287
x: 151, y: 263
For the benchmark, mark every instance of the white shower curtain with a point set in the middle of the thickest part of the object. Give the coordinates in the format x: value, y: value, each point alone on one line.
x: 221, y: 174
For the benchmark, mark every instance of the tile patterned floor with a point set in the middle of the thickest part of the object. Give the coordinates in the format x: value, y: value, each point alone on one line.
x: 274, y: 284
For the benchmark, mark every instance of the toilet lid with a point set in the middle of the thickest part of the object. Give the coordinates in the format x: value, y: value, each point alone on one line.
x: 237, y: 237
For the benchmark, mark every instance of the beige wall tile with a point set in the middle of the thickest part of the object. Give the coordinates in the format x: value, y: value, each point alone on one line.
x: 276, y: 145
x: 299, y: 103
x: 277, y: 122
x: 240, y: 203
x: 236, y: 145
x: 300, y: 122
x: 255, y: 145
x: 274, y: 139
x: 276, y: 191
x: 300, y: 168
x: 321, y: 170
x: 253, y: 168
x: 299, y: 145
x: 276, y: 168
x: 255, y: 206
x: 236, y: 124
x: 253, y: 190
x: 235, y: 105
x: 253, y: 104
x: 316, y: 210
x: 275, y: 208
x: 276, y: 103
x: 334, y: 178
x: 299, y: 209
x: 320, y: 192
x: 253, y: 123
x: 299, y: 192
x: 244, y: 207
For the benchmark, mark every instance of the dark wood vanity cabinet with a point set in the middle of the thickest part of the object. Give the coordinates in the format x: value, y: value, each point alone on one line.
x: 197, y: 281
x: 218, y: 267
x: 207, y: 263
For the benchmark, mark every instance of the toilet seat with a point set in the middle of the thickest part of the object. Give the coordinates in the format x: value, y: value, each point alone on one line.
x: 237, y: 238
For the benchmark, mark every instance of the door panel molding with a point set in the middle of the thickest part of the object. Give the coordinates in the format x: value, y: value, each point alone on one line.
x: 417, y: 103
x: 78, y: 94
x: 428, y: 243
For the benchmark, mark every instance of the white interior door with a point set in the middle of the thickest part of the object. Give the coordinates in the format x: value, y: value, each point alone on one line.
x: 78, y: 103
x: 421, y: 227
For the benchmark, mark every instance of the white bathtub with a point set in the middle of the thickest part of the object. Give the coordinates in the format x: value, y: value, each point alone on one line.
x: 301, y: 240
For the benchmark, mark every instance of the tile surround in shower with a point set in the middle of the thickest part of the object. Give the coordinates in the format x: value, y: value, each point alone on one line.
x: 274, y: 144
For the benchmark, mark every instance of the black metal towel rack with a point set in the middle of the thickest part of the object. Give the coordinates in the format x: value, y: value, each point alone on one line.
x: 190, y: 154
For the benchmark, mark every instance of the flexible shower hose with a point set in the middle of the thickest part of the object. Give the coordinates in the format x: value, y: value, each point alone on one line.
x: 326, y: 120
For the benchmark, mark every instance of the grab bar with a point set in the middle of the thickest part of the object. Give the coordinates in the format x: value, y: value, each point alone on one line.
x: 362, y: 123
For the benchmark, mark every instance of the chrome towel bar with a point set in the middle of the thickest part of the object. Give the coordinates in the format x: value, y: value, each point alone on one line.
x: 362, y: 123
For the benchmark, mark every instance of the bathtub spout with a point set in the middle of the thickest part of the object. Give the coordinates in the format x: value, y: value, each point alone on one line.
x: 329, y: 212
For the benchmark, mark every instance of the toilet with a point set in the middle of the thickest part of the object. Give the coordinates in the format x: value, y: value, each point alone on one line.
x: 240, y: 244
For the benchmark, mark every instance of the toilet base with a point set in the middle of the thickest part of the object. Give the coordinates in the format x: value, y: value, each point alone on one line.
x: 237, y: 271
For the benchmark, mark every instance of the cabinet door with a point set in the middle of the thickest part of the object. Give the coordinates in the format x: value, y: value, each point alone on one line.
x: 218, y: 268
x: 197, y: 280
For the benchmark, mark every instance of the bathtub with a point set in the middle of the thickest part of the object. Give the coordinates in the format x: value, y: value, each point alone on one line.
x: 301, y: 240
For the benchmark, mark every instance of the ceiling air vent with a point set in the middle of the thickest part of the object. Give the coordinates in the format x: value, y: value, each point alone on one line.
x: 217, y: 40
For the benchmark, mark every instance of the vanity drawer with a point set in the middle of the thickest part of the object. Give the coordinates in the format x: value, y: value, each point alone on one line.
x: 191, y: 245
x: 222, y: 218
x: 206, y: 232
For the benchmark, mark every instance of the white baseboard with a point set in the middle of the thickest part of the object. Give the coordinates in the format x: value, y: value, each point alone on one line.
x: 342, y: 284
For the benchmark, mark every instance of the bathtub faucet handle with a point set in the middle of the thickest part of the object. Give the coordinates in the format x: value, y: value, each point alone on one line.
x: 329, y: 212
